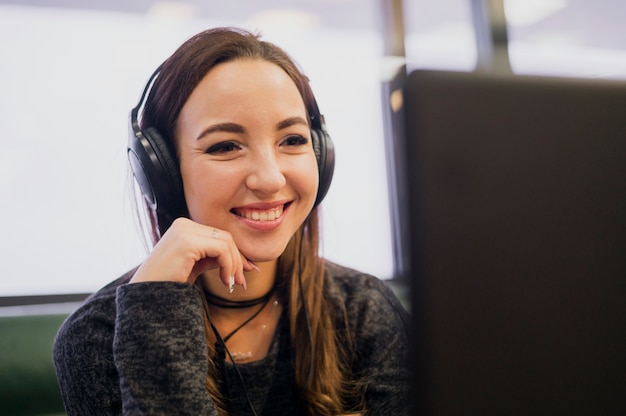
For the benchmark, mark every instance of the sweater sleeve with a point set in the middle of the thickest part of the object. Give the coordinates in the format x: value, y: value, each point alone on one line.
x: 83, y: 360
x: 135, y: 349
x: 159, y: 349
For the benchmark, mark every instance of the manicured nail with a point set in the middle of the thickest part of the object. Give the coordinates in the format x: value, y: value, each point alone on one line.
x: 244, y: 284
x: 254, y: 266
x: 231, y: 284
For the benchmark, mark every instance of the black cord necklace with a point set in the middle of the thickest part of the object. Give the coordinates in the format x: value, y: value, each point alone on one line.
x: 233, y: 304
x: 244, y: 323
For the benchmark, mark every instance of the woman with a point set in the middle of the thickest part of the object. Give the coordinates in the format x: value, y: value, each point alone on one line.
x: 233, y: 311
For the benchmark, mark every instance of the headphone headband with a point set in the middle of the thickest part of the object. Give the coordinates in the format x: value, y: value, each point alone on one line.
x: 134, y: 112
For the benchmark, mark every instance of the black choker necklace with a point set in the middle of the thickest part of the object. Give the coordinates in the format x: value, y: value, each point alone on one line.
x: 227, y: 303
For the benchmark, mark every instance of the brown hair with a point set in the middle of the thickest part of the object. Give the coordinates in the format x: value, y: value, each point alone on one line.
x: 323, y: 370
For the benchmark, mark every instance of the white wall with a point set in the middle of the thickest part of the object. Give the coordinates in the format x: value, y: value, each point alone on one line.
x: 67, y: 81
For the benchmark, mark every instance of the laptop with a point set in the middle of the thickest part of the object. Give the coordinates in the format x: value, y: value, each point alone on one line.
x: 517, y: 202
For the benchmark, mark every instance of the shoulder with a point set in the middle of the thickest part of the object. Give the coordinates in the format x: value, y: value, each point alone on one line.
x: 101, y: 304
x: 354, y: 286
x: 379, y: 334
x: 365, y: 297
x: 95, y: 317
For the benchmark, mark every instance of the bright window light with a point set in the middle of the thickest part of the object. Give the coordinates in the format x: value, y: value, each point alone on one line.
x: 68, y: 79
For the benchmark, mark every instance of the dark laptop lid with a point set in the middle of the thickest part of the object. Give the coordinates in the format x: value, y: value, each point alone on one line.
x: 518, y: 228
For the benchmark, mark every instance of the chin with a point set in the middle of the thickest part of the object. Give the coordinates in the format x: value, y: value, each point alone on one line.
x: 259, y: 255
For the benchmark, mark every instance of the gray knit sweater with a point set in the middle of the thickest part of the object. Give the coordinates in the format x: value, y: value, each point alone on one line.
x: 140, y: 349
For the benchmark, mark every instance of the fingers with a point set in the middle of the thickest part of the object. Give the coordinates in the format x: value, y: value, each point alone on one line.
x: 219, y: 245
x: 189, y: 249
x: 229, y: 260
x: 248, y: 265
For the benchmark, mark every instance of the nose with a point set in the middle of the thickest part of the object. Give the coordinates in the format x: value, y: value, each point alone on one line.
x: 266, y: 174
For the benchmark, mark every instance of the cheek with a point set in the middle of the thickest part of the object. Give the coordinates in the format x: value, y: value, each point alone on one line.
x: 203, y: 187
x: 306, y: 178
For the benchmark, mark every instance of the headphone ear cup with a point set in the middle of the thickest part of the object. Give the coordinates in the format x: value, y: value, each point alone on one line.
x: 325, y: 155
x: 156, y: 170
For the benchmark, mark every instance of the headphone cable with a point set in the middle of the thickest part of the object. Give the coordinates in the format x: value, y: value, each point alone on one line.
x: 220, y: 349
x: 309, y: 379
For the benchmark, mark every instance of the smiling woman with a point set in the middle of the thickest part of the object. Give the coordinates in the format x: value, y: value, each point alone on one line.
x: 234, y: 311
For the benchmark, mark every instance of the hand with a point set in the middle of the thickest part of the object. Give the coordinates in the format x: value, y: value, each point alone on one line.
x: 189, y: 249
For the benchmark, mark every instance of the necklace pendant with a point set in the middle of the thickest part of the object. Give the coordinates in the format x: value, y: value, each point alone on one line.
x: 241, y: 356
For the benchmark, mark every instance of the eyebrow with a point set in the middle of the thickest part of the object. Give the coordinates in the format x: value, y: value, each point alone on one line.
x: 237, y: 128
x: 221, y: 127
x: 291, y: 121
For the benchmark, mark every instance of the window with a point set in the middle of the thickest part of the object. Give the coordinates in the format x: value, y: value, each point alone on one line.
x: 68, y: 79
x: 72, y: 69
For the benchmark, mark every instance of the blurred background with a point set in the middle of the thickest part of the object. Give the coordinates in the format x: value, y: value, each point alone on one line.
x: 70, y: 71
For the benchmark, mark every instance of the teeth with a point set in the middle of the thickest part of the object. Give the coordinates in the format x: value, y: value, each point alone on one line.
x: 266, y: 215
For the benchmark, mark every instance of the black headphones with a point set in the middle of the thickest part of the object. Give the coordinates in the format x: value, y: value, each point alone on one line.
x: 155, y: 166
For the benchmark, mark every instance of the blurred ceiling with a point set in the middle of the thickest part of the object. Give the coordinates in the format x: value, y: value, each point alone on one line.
x: 597, y: 23
x: 344, y: 14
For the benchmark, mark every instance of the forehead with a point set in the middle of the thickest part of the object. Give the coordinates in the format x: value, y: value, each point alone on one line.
x: 246, y: 83
x: 253, y: 94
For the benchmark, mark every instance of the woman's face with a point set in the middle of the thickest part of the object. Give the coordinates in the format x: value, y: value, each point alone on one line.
x: 246, y: 157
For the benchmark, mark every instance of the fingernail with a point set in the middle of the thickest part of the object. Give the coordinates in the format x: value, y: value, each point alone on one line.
x: 254, y: 266
x: 231, y: 284
x: 244, y: 284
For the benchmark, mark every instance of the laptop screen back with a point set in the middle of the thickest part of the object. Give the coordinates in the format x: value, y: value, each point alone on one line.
x: 517, y: 190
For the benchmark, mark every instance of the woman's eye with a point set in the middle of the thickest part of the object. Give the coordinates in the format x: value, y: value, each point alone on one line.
x: 296, y: 140
x: 222, y: 147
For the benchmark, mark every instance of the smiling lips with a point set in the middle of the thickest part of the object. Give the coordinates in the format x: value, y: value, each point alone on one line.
x: 261, y: 215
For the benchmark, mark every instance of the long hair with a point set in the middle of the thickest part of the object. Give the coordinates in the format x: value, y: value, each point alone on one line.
x: 323, y: 356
